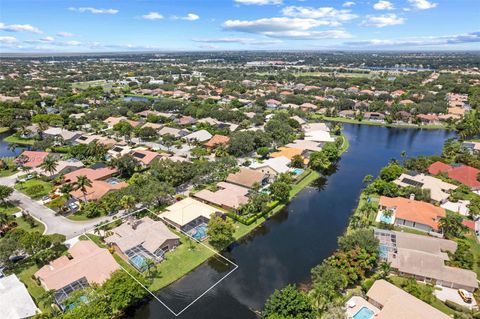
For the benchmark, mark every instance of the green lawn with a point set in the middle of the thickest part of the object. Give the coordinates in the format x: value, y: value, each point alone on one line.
x: 353, y: 121
x: 11, y: 168
x: 475, y: 249
x: 17, y: 140
x: 345, y: 145
x: 35, y: 188
x: 10, y: 209
x: 78, y: 217
x: 4, y: 129
x: 35, y: 290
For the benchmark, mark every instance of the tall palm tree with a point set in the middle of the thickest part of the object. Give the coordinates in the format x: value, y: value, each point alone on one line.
x: 127, y: 202
x: 66, y: 189
x: 82, y: 183
x: 49, y: 164
x: 385, y: 267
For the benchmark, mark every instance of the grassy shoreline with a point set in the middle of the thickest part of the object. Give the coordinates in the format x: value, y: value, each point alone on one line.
x: 364, y: 122
x: 17, y: 140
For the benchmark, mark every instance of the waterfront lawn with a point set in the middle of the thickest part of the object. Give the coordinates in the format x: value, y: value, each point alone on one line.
x: 11, y: 169
x: 475, y: 250
x: 366, y: 122
x: 13, y: 139
x: 35, y: 188
x: 4, y: 129
x: 186, y: 257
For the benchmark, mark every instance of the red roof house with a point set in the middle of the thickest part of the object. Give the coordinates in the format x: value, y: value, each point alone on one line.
x: 466, y: 175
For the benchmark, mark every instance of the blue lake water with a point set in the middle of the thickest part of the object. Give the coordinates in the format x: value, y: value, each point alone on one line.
x: 285, y: 248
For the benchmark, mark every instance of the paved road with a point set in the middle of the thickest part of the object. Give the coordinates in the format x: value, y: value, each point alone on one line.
x: 53, y: 224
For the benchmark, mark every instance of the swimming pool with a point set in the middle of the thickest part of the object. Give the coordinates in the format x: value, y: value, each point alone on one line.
x: 386, y: 219
x: 298, y: 171
x: 139, y: 262
x: 200, y: 232
x: 363, y: 313
x: 383, y: 251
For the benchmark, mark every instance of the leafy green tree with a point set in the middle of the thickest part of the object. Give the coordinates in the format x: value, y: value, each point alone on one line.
x: 127, y: 165
x: 127, y: 202
x: 5, y: 192
x: 452, y: 226
x: 297, y: 161
x: 363, y: 238
x: 319, y: 161
x: 220, y: 232
x: 391, y: 172
x: 280, y: 191
x: 289, y: 303
x: 331, y: 151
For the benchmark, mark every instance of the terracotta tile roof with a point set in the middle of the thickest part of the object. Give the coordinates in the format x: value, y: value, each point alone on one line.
x: 216, y: 140
x: 466, y: 175
x: 88, y: 260
x: 228, y: 195
x: 92, y: 174
x: 98, y: 190
x: 145, y: 156
x: 33, y: 159
x: 288, y: 152
x: 412, y: 210
x: 469, y: 223
x: 246, y: 177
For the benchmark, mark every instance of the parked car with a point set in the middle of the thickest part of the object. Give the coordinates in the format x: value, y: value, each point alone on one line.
x: 466, y: 296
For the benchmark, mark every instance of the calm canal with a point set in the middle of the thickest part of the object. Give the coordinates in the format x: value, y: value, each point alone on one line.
x: 285, y: 248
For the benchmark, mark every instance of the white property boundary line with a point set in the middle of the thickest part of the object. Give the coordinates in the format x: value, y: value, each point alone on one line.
x: 176, y: 314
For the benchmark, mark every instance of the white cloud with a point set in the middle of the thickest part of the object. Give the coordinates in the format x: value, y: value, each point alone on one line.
x: 246, y: 41
x: 47, y: 39
x: 383, y: 5
x: 152, y: 16
x: 188, y: 17
x: 472, y: 37
x: 94, y: 10
x: 383, y: 20
x: 19, y: 28
x: 328, y: 15
x: 423, y: 4
x: 348, y: 4
x: 8, y: 40
x: 293, y: 28
x: 70, y: 43
x: 65, y: 34
x: 259, y: 2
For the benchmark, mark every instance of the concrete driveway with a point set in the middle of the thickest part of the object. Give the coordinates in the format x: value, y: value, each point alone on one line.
x: 53, y: 224
x: 444, y: 294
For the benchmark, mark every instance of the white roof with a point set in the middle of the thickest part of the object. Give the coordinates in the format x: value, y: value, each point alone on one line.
x: 319, y: 136
x: 460, y: 207
x: 309, y: 127
x: 438, y: 188
x: 278, y: 164
x: 187, y: 210
x: 201, y: 136
x: 15, y: 302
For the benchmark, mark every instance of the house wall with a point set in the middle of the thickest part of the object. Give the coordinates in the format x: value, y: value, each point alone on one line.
x: 407, y: 223
x: 267, y: 170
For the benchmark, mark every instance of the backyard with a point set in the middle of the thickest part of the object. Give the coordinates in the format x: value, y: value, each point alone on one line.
x: 22, y: 223
x: 35, y: 188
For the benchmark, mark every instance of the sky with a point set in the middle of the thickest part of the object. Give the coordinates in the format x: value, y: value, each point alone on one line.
x: 193, y: 25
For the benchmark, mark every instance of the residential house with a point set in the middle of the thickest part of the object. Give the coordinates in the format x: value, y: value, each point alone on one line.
x: 287, y: 152
x: 410, y: 213
x: 311, y: 127
x: 464, y: 174
x: 307, y: 147
x: 387, y: 301
x: 61, y: 135
x: 228, y: 196
x: 430, y: 119
x: 308, y: 107
x: 217, y: 140
x: 137, y: 240
x: 472, y: 147
x: 118, y: 150
x: 63, y: 167
x: 423, y: 258
x: 247, y: 177
x: 31, y: 159
x: 272, y: 104
x: 112, y: 121
x: 188, y: 214
x: 298, y: 119
x: 272, y: 167
x: 175, y: 132
x: 374, y: 116
x: 347, y: 114
x: 439, y: 190
x: 198, y: 136
x: 85, y: 264
x: 15, y: 301
x: 319, y: 136
x: 144, y: 156
x: 186, y: 120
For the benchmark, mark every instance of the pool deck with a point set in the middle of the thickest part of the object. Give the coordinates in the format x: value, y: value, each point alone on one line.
x: 359, y: 304
x: 381, y: 218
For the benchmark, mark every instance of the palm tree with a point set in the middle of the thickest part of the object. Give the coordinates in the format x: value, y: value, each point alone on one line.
x: 127, y: 202
x: 49, y: 165
x: 4, y: 219
x: 221, y: 151
x: 66, y: 189
x: 385, y: 267
x: 82, y: 183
